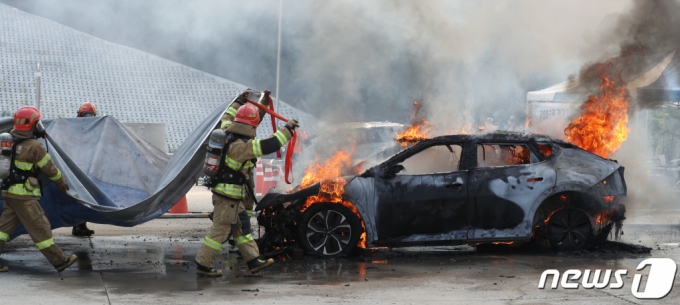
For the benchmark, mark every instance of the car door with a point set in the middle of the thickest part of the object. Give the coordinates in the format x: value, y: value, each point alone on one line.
x: 508, y: 178
x: 427, y: 197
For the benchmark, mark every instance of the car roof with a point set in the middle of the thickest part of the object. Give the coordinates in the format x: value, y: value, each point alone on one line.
x: 356, y: 125
x: 509, y: 136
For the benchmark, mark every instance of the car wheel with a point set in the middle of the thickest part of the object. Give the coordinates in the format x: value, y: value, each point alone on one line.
x: 569, y: 229
x: 329, y: 230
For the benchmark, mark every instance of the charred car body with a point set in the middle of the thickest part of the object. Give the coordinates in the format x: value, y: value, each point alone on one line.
x: 458, y: 189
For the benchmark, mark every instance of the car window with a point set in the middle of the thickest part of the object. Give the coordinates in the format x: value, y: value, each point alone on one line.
x: 435, y: 159
x: 547, y: 149
x: 491, y: 155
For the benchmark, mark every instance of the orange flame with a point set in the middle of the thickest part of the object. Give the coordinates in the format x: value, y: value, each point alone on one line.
x: 603, y: 217
x: 463, y: 130
x: 601, y: 128
x: 417, y: 131
x: 332, y: 185
x: 329, y: 174
x: 548, y: 218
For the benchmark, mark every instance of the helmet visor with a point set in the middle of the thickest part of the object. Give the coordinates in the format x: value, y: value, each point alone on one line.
x: 39, y: 127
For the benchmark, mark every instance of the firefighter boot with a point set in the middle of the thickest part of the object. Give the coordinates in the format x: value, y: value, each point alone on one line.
x: 207, y: 272
x: 68, y: 262
x: 82, y: 230
x: 3, y: 268
x: 259, y: 263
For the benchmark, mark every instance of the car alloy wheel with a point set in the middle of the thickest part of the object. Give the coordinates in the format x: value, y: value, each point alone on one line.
x: 569, y: 229
x: 329, y: 232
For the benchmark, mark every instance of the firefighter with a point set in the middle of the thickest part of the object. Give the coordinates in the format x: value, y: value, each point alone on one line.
x: 232, y: 191
x: 85, y: 110
x: 22, y: 189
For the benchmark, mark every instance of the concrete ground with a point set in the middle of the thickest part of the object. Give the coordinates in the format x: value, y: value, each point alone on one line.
x: 153, y: 264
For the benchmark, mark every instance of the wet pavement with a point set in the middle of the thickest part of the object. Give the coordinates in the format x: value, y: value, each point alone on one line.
x: 153, y: 263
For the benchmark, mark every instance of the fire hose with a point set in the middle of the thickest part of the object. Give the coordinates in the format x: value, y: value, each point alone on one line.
x: 288, y: 167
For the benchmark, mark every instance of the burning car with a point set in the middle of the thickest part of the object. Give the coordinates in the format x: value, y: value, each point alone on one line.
x: 456, y: 189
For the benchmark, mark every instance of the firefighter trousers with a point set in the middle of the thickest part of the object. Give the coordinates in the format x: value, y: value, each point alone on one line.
x: 230, y: 216
x: 31, y: 215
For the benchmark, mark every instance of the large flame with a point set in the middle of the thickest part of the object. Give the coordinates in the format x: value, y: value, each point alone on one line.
x: 329, y: 174
x: 601, y: 128
x: 418, y: 130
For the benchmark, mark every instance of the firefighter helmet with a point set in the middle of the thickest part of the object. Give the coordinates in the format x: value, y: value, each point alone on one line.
x: 25, y: 118
x: 248, y: 114
x: 87, y: 109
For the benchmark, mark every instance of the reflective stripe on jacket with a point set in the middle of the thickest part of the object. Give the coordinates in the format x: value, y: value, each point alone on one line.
x: 30, y: 155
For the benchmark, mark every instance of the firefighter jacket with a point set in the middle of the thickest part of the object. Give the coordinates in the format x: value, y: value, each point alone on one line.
x: 31, y: 156
x: 241, y: 156
x: 247, y: 131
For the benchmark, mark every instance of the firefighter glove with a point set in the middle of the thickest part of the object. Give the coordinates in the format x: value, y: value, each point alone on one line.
x: 265, y: 100
x: 292, y: 124
x: 243, y: 98
x: 63, y: 188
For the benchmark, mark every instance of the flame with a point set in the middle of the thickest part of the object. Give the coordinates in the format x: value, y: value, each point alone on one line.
x: 548, y: 218
x: 603, y: 217
x: 527, y: 124
x: 332, y: 185
x: 417, y: 131
x: 503, y: 242
x: 546, y: 150
x: 329, y: 174
x: 601, y: 128
x: 463, y: 130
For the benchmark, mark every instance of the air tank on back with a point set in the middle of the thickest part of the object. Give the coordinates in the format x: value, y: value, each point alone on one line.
x: 6, y: 142
x: 214, y: 152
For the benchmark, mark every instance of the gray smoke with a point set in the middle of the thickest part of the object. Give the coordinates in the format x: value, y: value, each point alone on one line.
x: 349, y: 61
x: 639, y: 39
x: 363, y: 60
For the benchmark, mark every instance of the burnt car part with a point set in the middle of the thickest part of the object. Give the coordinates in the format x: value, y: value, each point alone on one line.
x: 569, y: 229
x: 280, y: 230
x: 500, y: 187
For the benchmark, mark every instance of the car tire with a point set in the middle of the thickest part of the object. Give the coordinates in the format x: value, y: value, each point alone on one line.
x: 569, y: 229
x: 329, y: 230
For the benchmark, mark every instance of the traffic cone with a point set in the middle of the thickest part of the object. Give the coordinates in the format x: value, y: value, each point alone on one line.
x: 180, y: 207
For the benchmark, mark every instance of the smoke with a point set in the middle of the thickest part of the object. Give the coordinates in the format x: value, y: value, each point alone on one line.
x: 347, y: 61
x: 639, y: 39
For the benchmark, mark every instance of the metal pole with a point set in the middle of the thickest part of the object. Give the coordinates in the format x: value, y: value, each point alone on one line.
x: 278, y: 54
x: 37, y: 87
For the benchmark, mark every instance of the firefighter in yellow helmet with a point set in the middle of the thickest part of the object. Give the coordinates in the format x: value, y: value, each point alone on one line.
x: 22, y: 190
x: 231, y: 188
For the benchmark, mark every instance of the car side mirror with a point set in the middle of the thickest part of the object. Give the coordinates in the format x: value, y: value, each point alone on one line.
x: 393, y: 170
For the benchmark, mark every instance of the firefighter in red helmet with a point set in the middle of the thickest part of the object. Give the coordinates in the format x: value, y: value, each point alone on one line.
x: 232, y: 188
x: 22, y: 190
x: 86, y: 109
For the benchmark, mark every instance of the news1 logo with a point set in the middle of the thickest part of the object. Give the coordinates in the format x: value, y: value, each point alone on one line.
x: 659, y: 281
